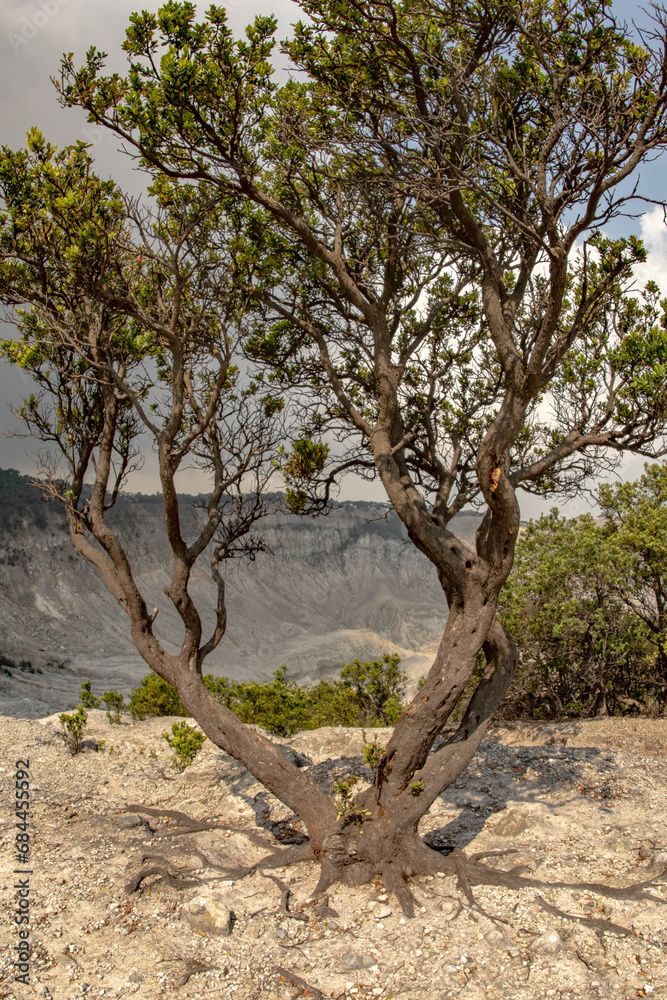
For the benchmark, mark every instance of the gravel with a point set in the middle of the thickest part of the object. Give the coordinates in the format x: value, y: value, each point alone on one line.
x: 591, y: 809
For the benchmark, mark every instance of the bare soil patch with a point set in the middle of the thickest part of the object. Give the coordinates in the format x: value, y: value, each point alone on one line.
x: 580, y: 801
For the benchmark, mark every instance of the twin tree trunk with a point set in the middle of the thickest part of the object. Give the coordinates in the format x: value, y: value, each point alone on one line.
x: 377, y: 834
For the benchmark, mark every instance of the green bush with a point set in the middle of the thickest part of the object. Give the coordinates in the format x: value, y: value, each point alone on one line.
x: 379, y: 686
x: 368, y: 694
x: 73, y: 728
x: 186, y: 742
x: 114, y: 703
x: 154, y: 697
x: 583, y: 648
x: 87, y: 698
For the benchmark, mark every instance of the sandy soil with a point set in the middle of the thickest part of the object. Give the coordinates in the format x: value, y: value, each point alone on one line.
x: 578, y: 802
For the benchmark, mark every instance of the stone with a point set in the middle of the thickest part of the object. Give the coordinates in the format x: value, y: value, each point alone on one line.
x: 135, y: 977
x: 496, y: 939
x: 381, y: 911
x: 661, y: 858
x: 350, y: 961
x: 513, y: 824
x: 294, y: 757
x: 449, y: 909
x: 645, y: 851
x: 210, y: 915
x: 549, y: 942
x: 129, y: 822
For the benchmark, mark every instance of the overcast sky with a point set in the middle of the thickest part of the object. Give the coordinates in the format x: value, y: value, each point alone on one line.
x: 34, y: 34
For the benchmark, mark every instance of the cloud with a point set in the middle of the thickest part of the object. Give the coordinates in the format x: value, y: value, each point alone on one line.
x: 653, y: 232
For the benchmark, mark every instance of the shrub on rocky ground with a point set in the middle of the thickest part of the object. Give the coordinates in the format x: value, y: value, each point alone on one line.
x: 73, y: 725
x: 186, y: 742
x: 114, y: 705
x: 87, y: 698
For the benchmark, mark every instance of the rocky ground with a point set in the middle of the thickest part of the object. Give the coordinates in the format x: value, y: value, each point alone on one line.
x: 578, y: 802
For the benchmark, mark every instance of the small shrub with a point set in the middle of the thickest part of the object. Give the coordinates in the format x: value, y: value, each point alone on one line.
x: 7, y: 672
x: 73, y: 728
x: 87, y: 698
x: 186, y: 742
x: 373, y: 752
x: 379, y: 686
x: 6, y: 662
x: 101, y: 746
x: 155, y: 697
x: 114, y: 703
x: 347, y: 810
x: 27, y: 666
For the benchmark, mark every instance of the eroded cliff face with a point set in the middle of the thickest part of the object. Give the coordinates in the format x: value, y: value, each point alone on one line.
x: 331, y: 588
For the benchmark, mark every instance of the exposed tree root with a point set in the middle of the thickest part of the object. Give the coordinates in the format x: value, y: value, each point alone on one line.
x: 286, y: 893
x: 324, y: 910
x: 174, y: 881
x: 459, y: 859
x: 175, y: 876
x: 192, y: 966
x: 478, y: 874
x: 289, y: 856
x: 214, y: 866
x: 348, y: 859
x: 600, y: 925
x: 301, y: 983
x: 191, y: 825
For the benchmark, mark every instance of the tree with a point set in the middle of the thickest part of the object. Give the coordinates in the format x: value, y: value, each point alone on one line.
x: 428, y: 202
x: 583, y: 651
x: 637, y: 545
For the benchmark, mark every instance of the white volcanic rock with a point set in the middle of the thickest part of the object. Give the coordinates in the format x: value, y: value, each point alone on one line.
x: 209, y: 915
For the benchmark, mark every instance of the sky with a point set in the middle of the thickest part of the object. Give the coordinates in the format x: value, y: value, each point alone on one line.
x: 33, y: 36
